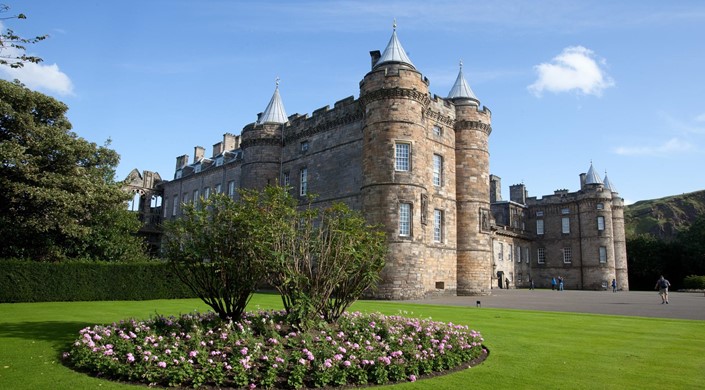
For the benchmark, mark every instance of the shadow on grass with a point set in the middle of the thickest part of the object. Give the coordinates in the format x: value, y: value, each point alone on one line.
x: 59, y: 333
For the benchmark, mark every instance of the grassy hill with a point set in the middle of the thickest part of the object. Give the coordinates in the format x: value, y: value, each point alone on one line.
x: 663, y: 218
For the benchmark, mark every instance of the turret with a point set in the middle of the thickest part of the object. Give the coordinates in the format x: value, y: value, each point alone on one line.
x: 394, y: 96
x: 261, y: 144
x: 472, y: 131
x: 620, y: 241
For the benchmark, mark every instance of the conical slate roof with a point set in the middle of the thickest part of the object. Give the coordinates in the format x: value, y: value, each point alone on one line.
x: 608, y: 184
x: 592, y: 177
x: 394, y: 52
x: 461, y: 89
x: 274, y: 113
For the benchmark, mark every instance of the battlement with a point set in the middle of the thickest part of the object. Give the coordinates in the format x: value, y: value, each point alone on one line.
x: 344, y: 111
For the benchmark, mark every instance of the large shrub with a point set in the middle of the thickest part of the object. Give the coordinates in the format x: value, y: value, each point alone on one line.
x: 694, y: 282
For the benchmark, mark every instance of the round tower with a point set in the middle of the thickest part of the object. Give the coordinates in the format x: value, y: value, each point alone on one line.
x: 262, y: 146
x: 394, y: 96
x: 619, y: 240
x: 472, y: 172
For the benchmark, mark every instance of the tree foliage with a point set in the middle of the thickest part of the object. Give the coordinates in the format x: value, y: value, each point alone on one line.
x: 649, y: 257
x: 320, y: 260
x: 214, y: 248
x: 13, y: 46
x: 59, y: 198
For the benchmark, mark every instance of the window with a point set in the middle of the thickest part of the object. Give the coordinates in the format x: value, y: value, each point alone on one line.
x: 156, y: 201
x: 303, y: 182
x: 519, y: 277
x: 134, y: 203
x: 218, y: 188
x: 527, y: 255
x: 206, y: 193
x: 437, y: 225
x: 500, y: 254
x: 539, y: 226
x: 603, y: 255
x: 175, y: 205
x: 565, y: 225
x: 185, y: 197
x: 510, y: 252
x: 197, y: 169
x: 195, y: 197
x: 539, y: 213
x: 567, y: 255
x: 286, y: 180
x: 437, y: 170
x: 401, y: 157
x: 541, y: 255
x: 219, y: 161
x: 600, y: 223
x: 565, y: 211
x: 166, y: 207
x: 304, y: 147
x: 231, y: 188
x: 600, y: 206
x: 437, y: 130
x: 518, y: 256
x: 404, y: 219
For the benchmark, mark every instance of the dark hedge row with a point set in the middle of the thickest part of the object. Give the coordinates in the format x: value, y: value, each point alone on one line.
x: 694, y: 282
x: 29, y: 281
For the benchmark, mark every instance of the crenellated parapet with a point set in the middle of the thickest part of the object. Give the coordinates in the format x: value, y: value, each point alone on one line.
x: 324, y: 119
x: 395, y: 93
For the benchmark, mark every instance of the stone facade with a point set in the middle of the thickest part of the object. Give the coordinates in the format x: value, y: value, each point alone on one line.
x: 418, y: 165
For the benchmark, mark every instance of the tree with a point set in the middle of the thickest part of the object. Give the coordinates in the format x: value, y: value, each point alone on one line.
x: 59, y: 198
x: 320, y: 260
x: 215, y: 250
x: 12, y: 46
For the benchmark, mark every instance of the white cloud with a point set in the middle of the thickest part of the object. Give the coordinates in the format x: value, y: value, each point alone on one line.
x: 672, y: 146
x: 576, y: 68
x: 45, y: 77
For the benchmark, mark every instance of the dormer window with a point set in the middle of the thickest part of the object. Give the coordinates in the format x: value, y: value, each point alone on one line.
x: 219, y: 161
x: 197, y: 168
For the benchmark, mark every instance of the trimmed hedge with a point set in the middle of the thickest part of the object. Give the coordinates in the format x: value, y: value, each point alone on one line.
x: 30, y: 281
x: 694, y: 282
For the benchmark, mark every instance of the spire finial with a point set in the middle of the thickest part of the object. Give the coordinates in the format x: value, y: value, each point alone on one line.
x: 276, y: 81
x: 394, y: 26
x: 461, y: 64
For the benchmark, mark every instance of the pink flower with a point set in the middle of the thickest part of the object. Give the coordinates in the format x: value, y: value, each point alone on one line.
x: 161, y: 364
x: 412, y: 378
x: 192, y: 354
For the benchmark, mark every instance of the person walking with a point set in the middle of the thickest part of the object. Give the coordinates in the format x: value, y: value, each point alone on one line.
x: 662, y: 286
x: 531, y: 284
x: 560, y: 283
x: 553, y: 283
x: 614, y: 285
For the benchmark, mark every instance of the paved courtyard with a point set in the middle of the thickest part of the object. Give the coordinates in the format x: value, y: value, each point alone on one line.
x: 682, y: 305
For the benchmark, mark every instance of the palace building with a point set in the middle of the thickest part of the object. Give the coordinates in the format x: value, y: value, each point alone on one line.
x: 418, y: 165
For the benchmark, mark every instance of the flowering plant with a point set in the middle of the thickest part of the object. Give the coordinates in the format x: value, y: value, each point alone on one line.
x: 262, y: 350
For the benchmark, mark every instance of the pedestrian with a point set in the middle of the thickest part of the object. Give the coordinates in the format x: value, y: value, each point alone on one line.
x: 506, y: 282
x: 560, y: 283
x: 614, y: 285
x: 662, y: 286
x: 553, y: 283
x: 531, y: 284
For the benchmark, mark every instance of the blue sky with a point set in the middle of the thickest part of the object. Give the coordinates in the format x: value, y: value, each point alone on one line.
x: 618, y: 84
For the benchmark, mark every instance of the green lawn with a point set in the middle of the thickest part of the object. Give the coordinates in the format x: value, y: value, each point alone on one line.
x: 528, y: 349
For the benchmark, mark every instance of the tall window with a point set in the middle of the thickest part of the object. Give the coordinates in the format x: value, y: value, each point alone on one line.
x: 510, y: 252
x: 565, y: 225
x: 527, y: 255
x: 303, y: 182
x: 286, y: 180
x: 175, y: 206
x: 539, y: 226
x: 166, y: 207
x: 603, y: 254
x: 437, y: 170
x: 567, y: 255
x: 231, y: 188
x: 437, y: 225
x: 500, y: 253
x: 195, y: 197
x: 600, y: 223
x: 206, y: 193
x: 541, y: 255
x: 185, y: 197
x: 401, y: 156
x: 518, y: 256
x: 405, y: 219
x: 218, y: 188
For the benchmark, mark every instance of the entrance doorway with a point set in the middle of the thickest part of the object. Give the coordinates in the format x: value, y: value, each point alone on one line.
x: 500, y: 279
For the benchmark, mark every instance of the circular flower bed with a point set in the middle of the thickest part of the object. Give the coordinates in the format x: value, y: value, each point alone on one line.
x: 262, y: 351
